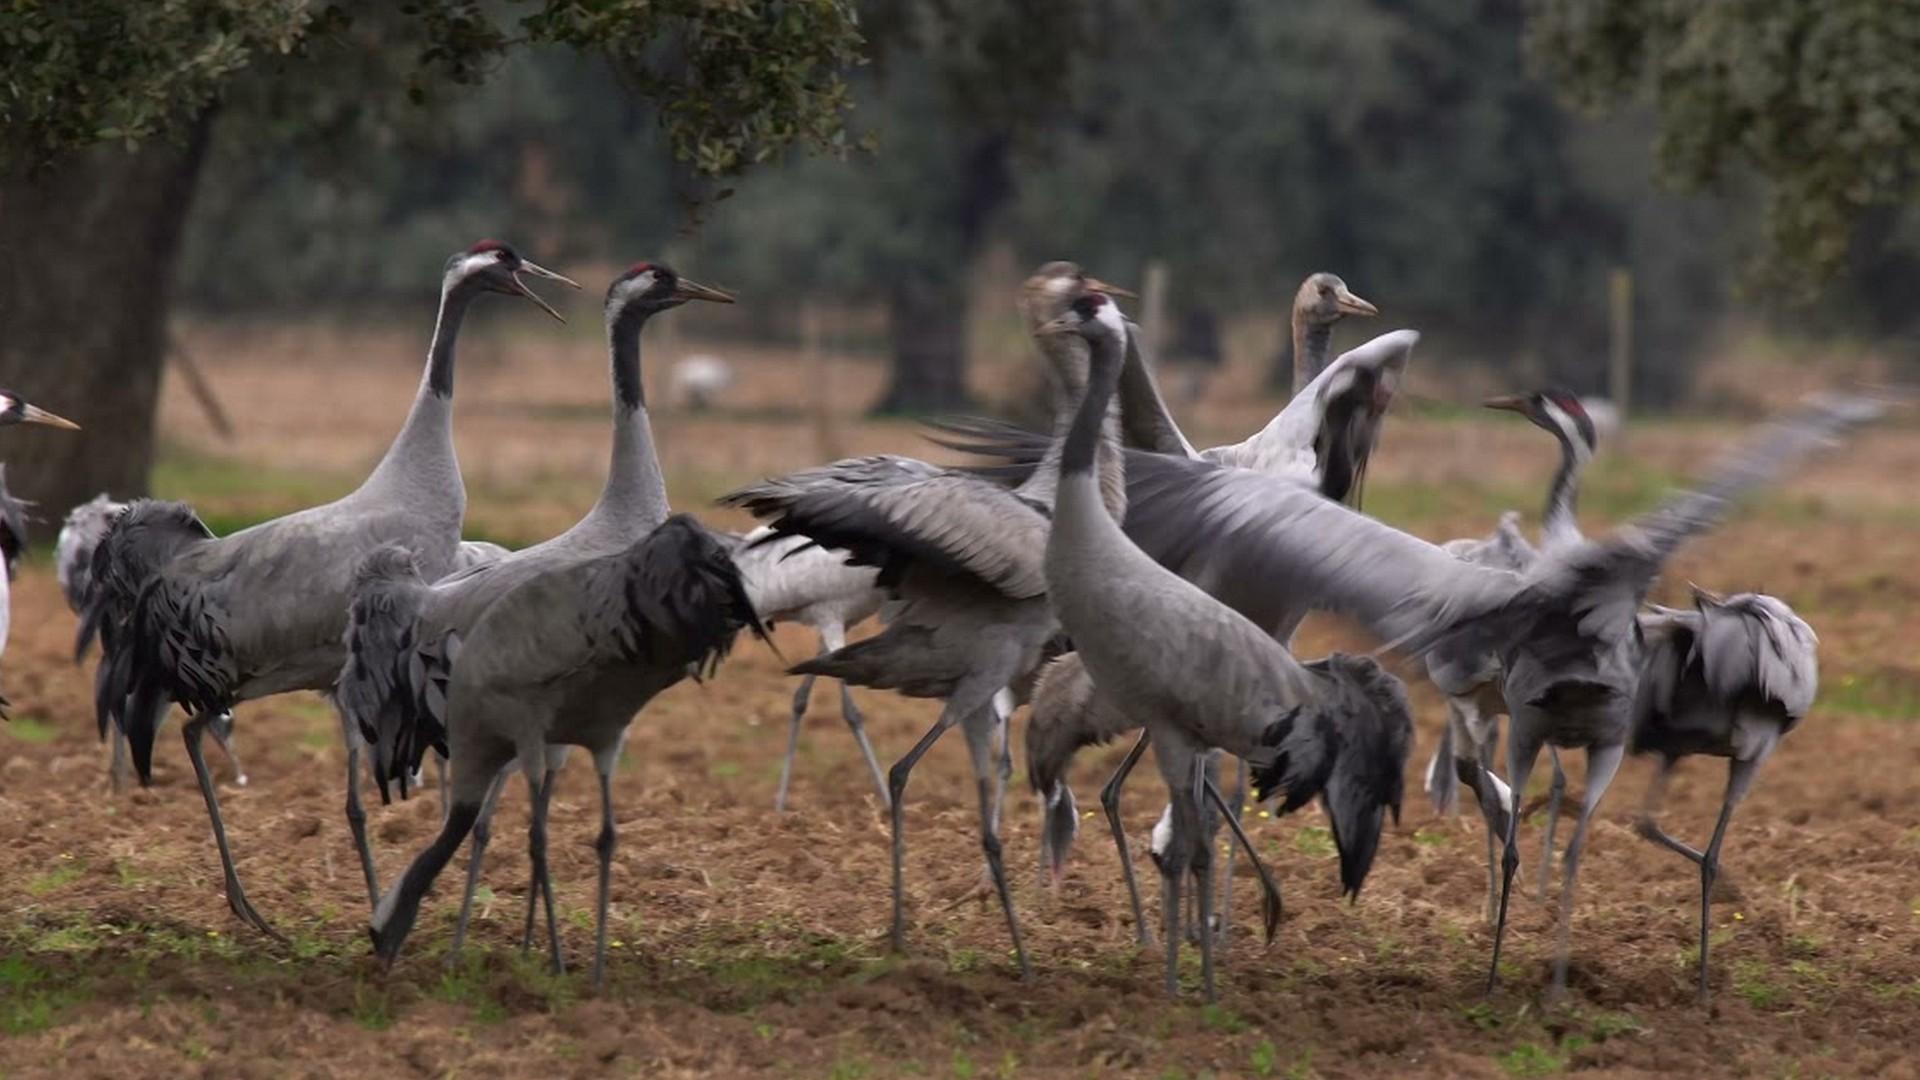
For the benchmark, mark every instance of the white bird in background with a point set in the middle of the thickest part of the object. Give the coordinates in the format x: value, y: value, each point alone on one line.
x: 699, y: 380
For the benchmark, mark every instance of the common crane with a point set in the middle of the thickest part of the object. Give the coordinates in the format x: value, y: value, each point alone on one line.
x: 209, y: 622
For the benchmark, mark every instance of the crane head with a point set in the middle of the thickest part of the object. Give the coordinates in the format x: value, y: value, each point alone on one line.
x: 1091, y: 315
x: 647, y: 287
x: 492, y: 266
x: 1325, y: 299
x: 1057, y: 284
x: 1557, y: 411
x: 15, y: 410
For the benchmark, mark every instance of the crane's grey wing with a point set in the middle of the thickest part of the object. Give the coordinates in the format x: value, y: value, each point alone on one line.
x: 1754, y: 643
x: 787, y: 574
x: 80, y: 535
x: 1272, y: 550
x: 1145, y: 421
x: 672, y: 602
x: 1610, y: 577
x: 1326, y: 434
x: 890, y: 512
x: 475, y: 553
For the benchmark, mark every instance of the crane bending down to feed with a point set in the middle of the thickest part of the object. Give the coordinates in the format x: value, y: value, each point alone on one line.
x: 567, y: 657
x: 1143, y: 633
x: 792, y: 579
x: 962, y: 555
x: 1729, y: 679
x: 209, y: 622
x: 404, y: 635
x: 1212, y: 524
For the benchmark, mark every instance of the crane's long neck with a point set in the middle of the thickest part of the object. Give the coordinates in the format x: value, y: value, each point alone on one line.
x: 1559, y: 523
x: 421, y: 459
x: 634, y: 499
x: 1090, y: 426
x: 1311, y: 339
x: 1068, y: 355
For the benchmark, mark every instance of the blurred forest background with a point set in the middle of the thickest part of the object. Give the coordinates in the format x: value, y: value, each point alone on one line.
x: 1477, y: 169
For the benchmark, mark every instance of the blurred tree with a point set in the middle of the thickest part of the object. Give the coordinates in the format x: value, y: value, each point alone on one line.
x: 955, y: 91
x: 109, y: 107
x: 1819, y: 98
x: 1398, y: 143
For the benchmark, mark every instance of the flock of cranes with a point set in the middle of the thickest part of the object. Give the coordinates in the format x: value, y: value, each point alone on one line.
x: 1108, y: 573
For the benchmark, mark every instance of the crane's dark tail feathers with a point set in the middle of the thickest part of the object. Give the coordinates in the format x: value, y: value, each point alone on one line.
x: 156, y: 645
x: 1349, y: 749
x: 685, y: 598
x: 392, y: 690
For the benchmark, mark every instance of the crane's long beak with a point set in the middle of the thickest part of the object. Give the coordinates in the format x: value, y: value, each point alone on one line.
x: 1350, y: 304
x: 1510, y: 403
x: 692, y: 290
x: 34, y: 414
x: 541, y: 271
x: 1096, y: 285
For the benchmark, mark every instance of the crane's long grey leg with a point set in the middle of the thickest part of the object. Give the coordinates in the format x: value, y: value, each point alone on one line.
x: 1739, y: 777
x: 1110, y: 802
x: 440, y: 779
x: 191, y: 732
x: 1523, y: 747
x: 1556, y: 791
x: 1202, y: 869
x: 556, y: 759
x: 482, y: 832
x: 537, y: 852
x: 357, y: 814
x: 857, y: 723
x: 980, y: 727
x: 603, y: 846
x: 896, y: 789
x: 800, y: 696
x: 479, y: 766
x: 1177, y: 764
x: 1270, y: 907
x: 833, y: 637
x: 120, y: 769
x: 1648, y: 823
x: 1001, y: 709
x: 1232, y: 812
x: 222, y: 731
x: 1602, y: 763
x: 1494, y: 811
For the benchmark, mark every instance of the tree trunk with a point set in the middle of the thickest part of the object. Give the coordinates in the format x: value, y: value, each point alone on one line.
x: 927, y: 320
x: 87, y: 252
x: 927, y: 310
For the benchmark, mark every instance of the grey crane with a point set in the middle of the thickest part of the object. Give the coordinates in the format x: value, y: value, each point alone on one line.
x: 1728, y: 679
x: 1322, y: 439
x: 209, y: 622
x: 1144, y: 633
x: 1474, y: 685
x: 961, y: 554
x: 1564, y: 630
x: 567, y: 657
x: 404, y: 635
x: 792, y: 579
